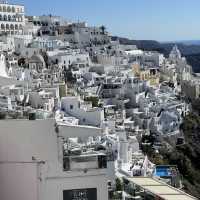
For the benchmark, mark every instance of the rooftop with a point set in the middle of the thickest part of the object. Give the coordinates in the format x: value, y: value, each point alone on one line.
x: 160, y: 189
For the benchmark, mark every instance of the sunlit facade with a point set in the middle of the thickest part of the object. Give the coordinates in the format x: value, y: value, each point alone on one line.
x: 12, y: 19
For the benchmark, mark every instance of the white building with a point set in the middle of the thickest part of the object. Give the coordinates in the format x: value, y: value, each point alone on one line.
x: 3, y: 66
x: 47, y: 43
x: 105, y: 59
x: 66, y: 58
x: 175, y: 54
x: 12, y: 18
x: 5, y: 103
x: 191, y: 89
x: 33, y: 166
x: 86, y: 114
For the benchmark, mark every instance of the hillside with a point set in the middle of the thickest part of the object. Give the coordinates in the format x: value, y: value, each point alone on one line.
x: 194, y: 61
x: 190, y: 51
x: 187, y: 157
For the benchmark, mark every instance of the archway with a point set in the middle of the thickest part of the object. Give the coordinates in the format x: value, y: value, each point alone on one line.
x: 7, y: 26
x: 9, y: 18
x: 4, y: 9
x: 5, y: 18
x: 13, y: 9
x: 2, y: 26
x: 8, y: 9
x: 12, y: 27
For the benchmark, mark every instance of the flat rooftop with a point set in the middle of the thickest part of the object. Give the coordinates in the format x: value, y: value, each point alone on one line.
x: 160, y: 189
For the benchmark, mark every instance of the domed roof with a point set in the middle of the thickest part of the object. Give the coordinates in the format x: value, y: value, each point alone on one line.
x: 37, y: 58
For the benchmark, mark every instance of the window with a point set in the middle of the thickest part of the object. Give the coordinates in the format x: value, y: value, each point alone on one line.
x: 14, y: 18
x: 9, y: 18
x: 13, y: 9
x: 12, y: 27
x: 4, y: 9
x: 2, y: 26
x: 71, y: 107
x: 8, y: 9
x: 5, y: 18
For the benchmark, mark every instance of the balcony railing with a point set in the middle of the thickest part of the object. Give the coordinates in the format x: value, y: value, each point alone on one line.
x: 84, y: 162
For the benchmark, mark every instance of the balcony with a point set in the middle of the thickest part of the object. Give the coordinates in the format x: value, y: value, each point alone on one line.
x: 84, y: 162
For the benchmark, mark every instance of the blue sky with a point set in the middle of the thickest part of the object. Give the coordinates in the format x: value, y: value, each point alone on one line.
x: 163, y: 20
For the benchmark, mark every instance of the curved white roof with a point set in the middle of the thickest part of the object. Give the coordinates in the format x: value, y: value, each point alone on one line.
x: 134, y: 52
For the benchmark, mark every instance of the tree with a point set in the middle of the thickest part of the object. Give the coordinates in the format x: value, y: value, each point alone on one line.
x: 196, y: 105
x: 94, y: 100
x: 68, y: 76
x: 45, y: 57
x: 22, y: 62
x: 186, y: 156
x: 62, y: 91
x: 119, y: 184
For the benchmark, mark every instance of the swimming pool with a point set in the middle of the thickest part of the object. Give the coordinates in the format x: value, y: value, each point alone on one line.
x: 163, y: 171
